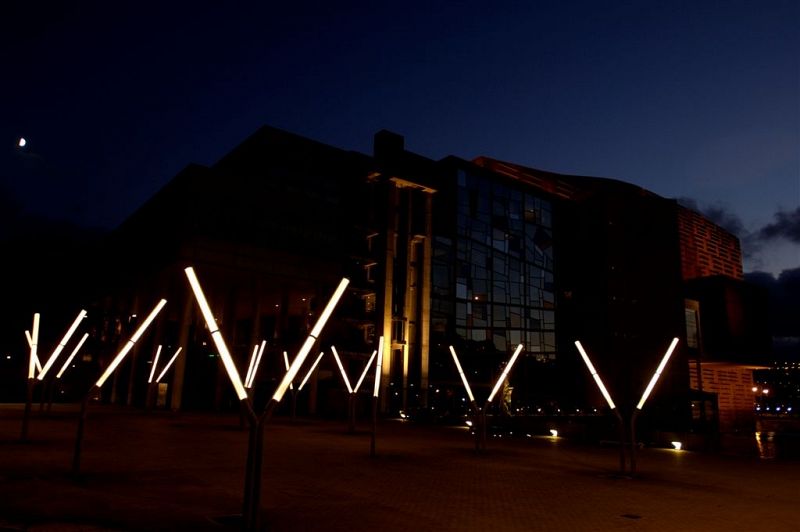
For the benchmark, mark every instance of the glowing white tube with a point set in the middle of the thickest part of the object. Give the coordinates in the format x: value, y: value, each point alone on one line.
x: 313, y: 366
x: 341, y: 369
x: 34, y: 340
x: 130, y: 343
x: 155, y: 363
x: 257, y: 363
x: 309, y: 343
x: 286, y: 363
x: 595, y: 375
x: 364, y: 373
x: 61, y: 345
x: 326, y: 313
x: 216, y: 336
x: 30, y: 341
x: 657, y: 374
x: 505, y: 372
x: 378, y: 366
x: 250, y: 366
x: 71, y: 356
x: 461, y: 372
x: 171, y: 360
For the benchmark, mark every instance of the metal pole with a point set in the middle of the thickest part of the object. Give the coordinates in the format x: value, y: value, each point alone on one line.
x: 374, y: 426
x: 622, y: 438
x: 351, y: 413
x: 76, y: 457
x: 26, y: 414
x: 633, y: 441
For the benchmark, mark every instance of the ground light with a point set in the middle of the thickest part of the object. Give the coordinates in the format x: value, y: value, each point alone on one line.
x: 648, y: 390
x: 480, y: 414
x: 76, y: 457
x: 255, y: 447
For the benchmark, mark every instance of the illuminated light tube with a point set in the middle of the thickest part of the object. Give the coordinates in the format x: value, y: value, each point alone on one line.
x: 313, y: 366
x: 657, y: 374
x: 130, y: 343
x: 30, y: 342
x: 61, y: 345
x: 595, y: 375
x: 34, y: 340
x: 364, y: 373
x: 309, y: 343
x: 216, y: 336
x: 286, y: 364
x: 71, y: 356
x: 503, y: 376
x: 171, y: 360
x: 155, y: 363
x: 378, y: 365
x: 341, y: 369
x: 461, y: 372
x: 258, y: 362
x: 250, y: 366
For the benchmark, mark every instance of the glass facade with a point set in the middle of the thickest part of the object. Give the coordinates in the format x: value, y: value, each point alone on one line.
x: 492, y: 282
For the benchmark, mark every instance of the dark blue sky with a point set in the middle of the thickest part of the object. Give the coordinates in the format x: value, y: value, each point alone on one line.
x: 694, y: 99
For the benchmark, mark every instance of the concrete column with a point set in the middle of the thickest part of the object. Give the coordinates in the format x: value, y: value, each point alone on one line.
x: 388, y: 283
x: 179, y: 372
x: 425, y: 301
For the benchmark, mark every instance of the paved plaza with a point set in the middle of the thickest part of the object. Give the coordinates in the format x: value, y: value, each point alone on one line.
x: 165, y: 471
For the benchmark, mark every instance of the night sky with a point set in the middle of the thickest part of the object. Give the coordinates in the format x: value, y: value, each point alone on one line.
x: 698, y: 100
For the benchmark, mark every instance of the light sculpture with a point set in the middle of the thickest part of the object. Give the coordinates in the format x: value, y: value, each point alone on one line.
x: 364, y: 373
x: 155, y: 363
x: 595, y: 376
x: 166, y: 368
x: 72, y: 355
x: 130, y: 343
x: 61, y: 345
x: 341, y: 370
x: 216, y: 336
x: 310, y: 371
x: 657, y: 374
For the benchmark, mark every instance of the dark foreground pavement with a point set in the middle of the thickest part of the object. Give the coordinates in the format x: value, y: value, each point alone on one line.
x: 161, y: 471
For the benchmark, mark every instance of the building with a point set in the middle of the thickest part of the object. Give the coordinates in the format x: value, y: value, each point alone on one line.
x: 482, y: 255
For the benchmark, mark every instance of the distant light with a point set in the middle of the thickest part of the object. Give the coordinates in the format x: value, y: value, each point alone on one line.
x: 677, y: 445
x: 469, y: 423
x: 554, y: 433
x: 766, y: 391
x: 22, y: 142
x: 8, y: 357
x: 754, y: 388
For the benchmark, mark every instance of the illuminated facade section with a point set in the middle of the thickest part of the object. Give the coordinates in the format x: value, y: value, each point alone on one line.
x: 706, y: 248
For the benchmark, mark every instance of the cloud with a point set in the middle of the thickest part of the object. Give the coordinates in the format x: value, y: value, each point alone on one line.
x: 786, y: 225
x: 719, y: 214
x: 784, y: 300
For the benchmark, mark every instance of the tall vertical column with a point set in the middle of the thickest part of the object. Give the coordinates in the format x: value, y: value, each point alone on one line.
x: 179, y: 371
x: 388, y: 284
x: 425, y: 301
